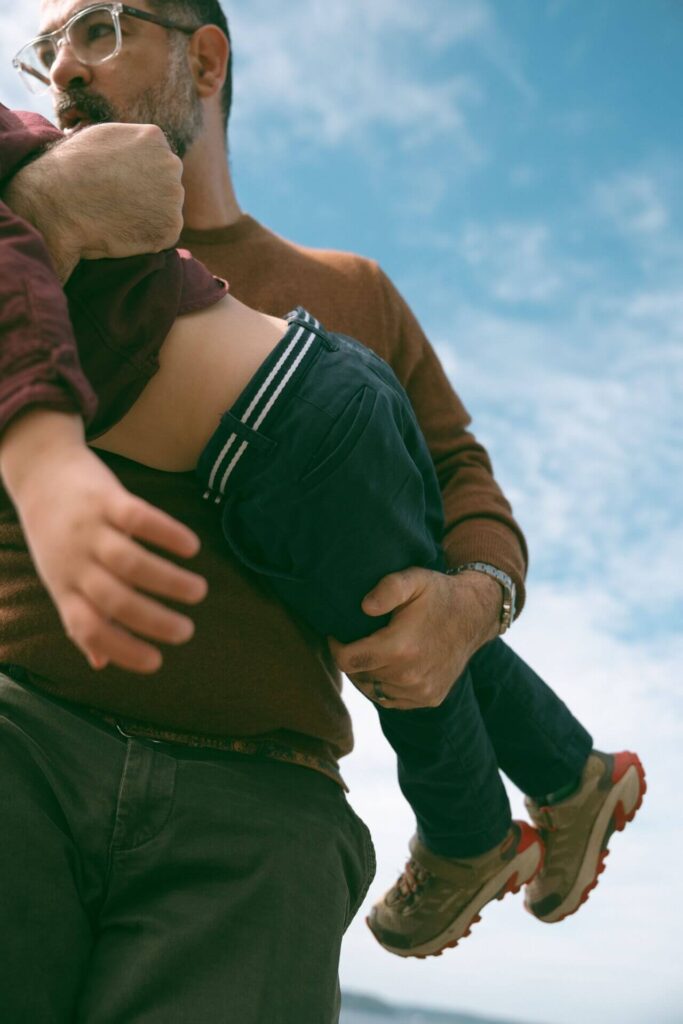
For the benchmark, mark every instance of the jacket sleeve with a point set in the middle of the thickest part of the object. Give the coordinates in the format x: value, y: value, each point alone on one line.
x: 479, y: 525
x: 38, y: 357
x: 23, y: 135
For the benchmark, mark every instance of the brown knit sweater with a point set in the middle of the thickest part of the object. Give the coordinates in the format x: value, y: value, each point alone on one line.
x: 253, y: 678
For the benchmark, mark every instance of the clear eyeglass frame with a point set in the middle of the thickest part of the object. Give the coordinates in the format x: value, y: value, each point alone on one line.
x: 26, y: 62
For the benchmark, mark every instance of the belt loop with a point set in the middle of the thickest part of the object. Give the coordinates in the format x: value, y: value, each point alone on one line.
x: 260, y: 442
x: 305, y: 319
x: 130, y: 736
x: 330, y: 341
x: 127, y: 735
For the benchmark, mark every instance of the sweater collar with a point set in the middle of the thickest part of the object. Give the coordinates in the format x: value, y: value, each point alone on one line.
x: 238, y: 231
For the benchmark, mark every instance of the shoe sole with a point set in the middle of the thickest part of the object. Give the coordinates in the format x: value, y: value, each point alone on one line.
x: 528, y: 861
x: 624, y: 800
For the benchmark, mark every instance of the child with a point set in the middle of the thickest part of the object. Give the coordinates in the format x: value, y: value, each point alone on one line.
x: 324, y: 485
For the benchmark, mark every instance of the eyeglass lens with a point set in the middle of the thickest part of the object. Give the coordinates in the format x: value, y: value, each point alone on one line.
x: 92, y: 36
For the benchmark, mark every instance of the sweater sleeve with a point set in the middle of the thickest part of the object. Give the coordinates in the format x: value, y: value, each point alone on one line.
x: 479, y: 525
x: 38, y: 357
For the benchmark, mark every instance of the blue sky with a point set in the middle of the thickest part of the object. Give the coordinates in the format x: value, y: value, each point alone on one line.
x: 516, y: 168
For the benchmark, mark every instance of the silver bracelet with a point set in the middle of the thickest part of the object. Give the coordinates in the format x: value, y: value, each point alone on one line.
x: 509, y: 589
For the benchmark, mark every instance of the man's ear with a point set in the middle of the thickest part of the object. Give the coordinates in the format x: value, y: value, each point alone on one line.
x: 209, y: 53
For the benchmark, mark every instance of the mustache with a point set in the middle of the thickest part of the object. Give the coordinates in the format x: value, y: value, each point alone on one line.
x: 96, y: 108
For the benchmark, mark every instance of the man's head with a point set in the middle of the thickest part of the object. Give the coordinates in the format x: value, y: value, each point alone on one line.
x: 202, y: 12
x: 172, y: 75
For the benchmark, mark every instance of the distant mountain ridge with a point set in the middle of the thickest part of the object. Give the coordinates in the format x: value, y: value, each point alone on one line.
x: 362, y: 1009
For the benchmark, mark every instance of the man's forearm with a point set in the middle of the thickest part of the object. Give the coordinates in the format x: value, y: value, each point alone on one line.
x: 110, y: 191
x: 34, y: 186
x: 479, y: 525
x: 28, y: 197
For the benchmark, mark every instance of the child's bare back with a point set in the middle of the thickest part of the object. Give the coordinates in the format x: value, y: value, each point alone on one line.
x: 204, y: 363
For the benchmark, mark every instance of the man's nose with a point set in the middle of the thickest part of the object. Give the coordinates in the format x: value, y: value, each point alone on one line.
x: 67, y: 70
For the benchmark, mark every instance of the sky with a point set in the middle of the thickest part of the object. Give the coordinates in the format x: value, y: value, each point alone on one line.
x: 516, y: 169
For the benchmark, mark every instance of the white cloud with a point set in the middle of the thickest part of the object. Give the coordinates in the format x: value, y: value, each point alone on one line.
x: 585, y: 429
x: 346, y: 70
x: 513, y: 261
x: 633, y: 203
x: 658, y: 307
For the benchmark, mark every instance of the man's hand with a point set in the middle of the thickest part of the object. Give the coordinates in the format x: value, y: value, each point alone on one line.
x: 438, y: 623
x: 108, y: 191
x: 79, y: 523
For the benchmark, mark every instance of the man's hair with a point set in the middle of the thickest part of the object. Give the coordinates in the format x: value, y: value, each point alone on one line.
x: 201, y: 12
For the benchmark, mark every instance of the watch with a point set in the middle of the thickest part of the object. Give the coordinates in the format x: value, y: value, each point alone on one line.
x: 507, y: 584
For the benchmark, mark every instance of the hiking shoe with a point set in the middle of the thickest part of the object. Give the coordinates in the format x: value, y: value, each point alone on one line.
x: 576, y: 831
x: 436, y: 900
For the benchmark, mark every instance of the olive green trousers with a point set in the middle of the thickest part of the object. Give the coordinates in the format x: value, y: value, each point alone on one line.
x: 149, y: 883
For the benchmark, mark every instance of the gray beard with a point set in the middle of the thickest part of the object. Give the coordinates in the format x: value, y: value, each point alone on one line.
x: 171, y: 105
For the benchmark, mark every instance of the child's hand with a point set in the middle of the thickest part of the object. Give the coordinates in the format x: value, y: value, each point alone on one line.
x: 79, y: 523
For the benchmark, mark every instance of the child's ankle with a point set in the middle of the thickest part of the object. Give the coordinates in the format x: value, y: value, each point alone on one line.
x: 559, y: 795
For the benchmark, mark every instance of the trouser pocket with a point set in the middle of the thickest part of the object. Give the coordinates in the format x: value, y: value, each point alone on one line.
x: 362, y: 872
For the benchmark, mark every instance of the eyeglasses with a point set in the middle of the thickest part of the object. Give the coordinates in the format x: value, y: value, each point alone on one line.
x: 94, y: 35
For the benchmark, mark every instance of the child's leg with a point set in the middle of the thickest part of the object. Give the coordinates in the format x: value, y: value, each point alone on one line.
x: 499, y: 715
x: 538, y: 743
x: 322, y: 526
x: 324, y: 512
x: 448, y: 773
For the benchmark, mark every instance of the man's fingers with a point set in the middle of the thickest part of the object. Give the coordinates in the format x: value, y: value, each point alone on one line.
x: 118, y: 603
x: 383, y: 694
x: 363, y: 662
x: 361, y: 656
x: 392, y: 591
x: 140, y: 519
x: 147, y: 571
x: 385, y: 651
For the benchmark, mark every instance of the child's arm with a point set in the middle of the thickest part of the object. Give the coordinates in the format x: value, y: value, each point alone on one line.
x: 77, y: 519
x: 80, y: 524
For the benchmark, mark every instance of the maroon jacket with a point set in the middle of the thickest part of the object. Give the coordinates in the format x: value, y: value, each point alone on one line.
x: 38, y: 359
x: 121, y: 310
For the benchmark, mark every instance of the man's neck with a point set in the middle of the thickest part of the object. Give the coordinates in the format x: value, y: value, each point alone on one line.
x: 210, y: 200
